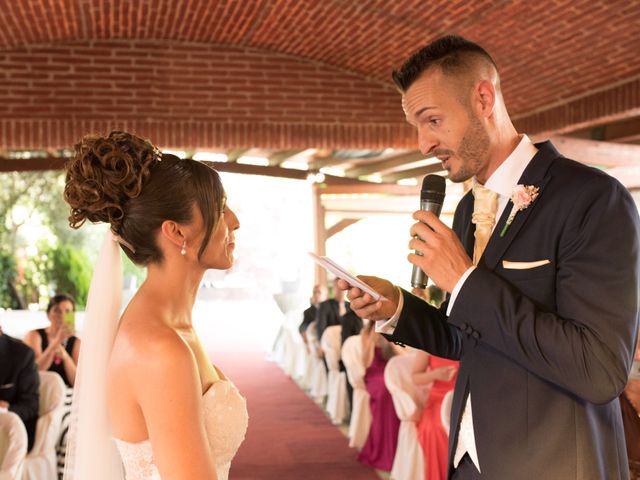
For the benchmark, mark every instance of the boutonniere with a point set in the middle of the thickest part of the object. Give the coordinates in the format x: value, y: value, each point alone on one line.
x: 522, y: 197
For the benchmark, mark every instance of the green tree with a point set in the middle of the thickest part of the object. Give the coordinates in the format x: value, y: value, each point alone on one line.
x: 7, y: 280
x: 70, y: 272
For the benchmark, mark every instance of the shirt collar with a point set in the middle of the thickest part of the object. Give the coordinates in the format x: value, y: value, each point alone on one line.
x: 509, y: 172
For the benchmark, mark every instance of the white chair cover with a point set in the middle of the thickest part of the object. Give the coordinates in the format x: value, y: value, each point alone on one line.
x: 300, y: 359
x: 337, y: 396
x: 41, y: 461
x: 319, y: 379
x: 278, y: 349
x: 289, y: 352
x: 445, y: 410
x: 360, y: 410
x: 408, y: 463
x: 13, y: 446
x: 307, y: 374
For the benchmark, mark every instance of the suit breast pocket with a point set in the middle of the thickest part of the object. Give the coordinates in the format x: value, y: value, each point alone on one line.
x: 526, y: 270
x: 537, y: 281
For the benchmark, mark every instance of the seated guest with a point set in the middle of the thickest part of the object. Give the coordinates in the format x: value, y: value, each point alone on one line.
x: 19, y: 382
x: 56, y: 348
x: 440, y: 375
x: 380, y: 446
x: 630, y: 406
x: 351, y: 325
x: 309, y: 315
x: 330, y: 311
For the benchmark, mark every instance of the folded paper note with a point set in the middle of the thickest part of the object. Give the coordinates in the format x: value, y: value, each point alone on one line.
x: 340, y: 272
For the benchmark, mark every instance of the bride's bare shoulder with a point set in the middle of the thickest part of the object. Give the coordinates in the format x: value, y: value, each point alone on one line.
x: 145, y: 341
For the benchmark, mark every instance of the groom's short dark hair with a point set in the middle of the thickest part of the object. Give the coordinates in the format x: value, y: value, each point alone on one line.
x: 453, y: 54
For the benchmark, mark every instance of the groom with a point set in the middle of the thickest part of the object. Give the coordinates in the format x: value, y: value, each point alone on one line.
x: 543, y: 294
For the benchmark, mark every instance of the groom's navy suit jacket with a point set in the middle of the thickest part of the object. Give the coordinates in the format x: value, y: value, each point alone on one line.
x: 544, y: 351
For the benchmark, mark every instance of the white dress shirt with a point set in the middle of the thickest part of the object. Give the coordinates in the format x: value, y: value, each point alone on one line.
x: 502, y: 181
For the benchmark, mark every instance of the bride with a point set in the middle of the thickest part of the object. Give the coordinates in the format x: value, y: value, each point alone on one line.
x: 146, y: 384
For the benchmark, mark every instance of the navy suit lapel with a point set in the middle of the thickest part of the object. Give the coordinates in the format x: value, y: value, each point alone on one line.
x: 534, y: 174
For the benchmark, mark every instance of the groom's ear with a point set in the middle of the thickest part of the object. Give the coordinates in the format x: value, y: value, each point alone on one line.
x: 173, y: 232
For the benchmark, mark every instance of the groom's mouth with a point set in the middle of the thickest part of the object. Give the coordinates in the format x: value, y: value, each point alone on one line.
x: 444, y: 159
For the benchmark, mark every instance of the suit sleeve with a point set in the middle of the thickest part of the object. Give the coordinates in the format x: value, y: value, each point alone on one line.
x: 26, y: 401
x: 585, y: 346
x: 424, y: 326
x: 320, y: 319
x: 307, y: 317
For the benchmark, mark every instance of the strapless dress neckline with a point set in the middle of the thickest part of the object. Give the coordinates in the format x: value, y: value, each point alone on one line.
x: 225, y: 419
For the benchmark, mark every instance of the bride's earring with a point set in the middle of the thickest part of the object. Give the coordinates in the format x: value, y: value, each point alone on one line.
x: 184, y: 248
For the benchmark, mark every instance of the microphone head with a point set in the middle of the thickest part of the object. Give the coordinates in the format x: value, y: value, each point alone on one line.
x: 433, y: 187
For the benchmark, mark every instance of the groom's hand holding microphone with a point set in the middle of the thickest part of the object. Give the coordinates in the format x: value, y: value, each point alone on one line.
x: 443, y: 258
x: 439, y: 255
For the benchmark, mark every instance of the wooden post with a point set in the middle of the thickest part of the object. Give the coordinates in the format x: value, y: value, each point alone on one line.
x: 320, y: 237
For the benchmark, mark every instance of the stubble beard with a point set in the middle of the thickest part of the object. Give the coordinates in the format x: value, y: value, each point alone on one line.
x: 473, y: 151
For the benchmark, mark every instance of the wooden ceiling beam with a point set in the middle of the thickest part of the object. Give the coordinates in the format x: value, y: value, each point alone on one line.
x: 592, y: 152
x: 31, y: 164
x: 413, y: 173
x: 371, y: 189
x: 316, y: 163
x: 627, y: 176
x: 385, y: 164
x: 57, y: 163
x: 281, y: 172
x: 621, y: 131
x: 276, y: 158
x: 234, y: 154
x: 630, y: 139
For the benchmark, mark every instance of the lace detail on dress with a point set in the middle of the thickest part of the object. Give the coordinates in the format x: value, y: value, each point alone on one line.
x: 225, y: 419
x: 137, y: 459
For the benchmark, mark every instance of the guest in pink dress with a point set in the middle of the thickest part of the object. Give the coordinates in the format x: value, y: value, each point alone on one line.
x: 440, y: 374
x: 380, y: 446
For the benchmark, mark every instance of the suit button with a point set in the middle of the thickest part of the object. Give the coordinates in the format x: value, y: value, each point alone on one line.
x: 475, y: 335
x: 469, y: 330
x: 463, y: 326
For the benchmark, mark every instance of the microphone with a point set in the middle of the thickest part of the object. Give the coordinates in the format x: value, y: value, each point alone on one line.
x: 431, y: 199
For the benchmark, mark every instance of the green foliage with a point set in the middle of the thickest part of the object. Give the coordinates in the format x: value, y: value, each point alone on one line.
x: 70, y: 272
x: 33, y: 279
x: 32, y: 191
x: 130, y: 269
x: 7, y: 275
x: 61, y: 259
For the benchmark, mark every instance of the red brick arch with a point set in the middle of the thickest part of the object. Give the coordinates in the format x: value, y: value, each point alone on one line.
x: 186, y: 94
x: 565, y: 64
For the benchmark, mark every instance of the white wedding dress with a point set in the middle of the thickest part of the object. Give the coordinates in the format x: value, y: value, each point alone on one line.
x: 226, y: 419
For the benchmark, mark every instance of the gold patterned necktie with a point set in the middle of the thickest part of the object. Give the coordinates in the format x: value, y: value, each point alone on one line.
x: 485, y: 206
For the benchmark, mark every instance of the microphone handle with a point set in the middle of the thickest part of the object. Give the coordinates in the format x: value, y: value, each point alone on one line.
x: 418, y: 277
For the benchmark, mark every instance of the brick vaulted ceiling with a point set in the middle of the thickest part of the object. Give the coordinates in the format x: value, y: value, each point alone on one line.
x: 293, y: 74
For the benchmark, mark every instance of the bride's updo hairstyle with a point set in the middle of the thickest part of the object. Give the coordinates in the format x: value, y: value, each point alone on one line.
x: 125, y: 181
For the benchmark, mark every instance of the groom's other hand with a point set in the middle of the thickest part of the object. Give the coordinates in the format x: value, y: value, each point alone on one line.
x: 365, y: 306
